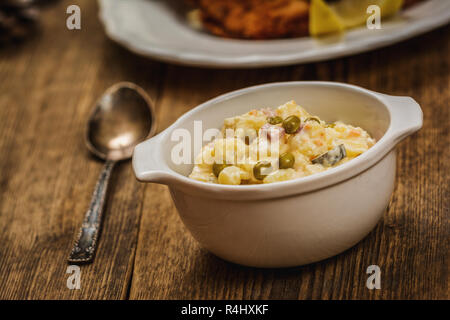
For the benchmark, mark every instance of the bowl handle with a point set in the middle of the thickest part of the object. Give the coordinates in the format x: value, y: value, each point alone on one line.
x: 406, y: 116
x: 148, y: 162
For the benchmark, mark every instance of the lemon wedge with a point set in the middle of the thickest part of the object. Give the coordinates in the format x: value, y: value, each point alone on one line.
x: 323, y: 19
x: 340, y: 15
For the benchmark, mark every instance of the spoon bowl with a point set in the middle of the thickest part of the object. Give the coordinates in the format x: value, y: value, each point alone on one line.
x: 122, y: 118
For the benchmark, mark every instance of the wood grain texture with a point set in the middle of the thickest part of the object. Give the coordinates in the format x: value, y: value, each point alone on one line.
x: 47, y: 87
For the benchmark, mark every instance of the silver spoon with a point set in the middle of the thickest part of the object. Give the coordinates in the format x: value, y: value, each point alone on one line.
x: 122, y: 118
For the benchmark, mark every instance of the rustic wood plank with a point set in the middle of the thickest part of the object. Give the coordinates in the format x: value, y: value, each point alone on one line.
x: 48, y: 86
x: 410, y: 244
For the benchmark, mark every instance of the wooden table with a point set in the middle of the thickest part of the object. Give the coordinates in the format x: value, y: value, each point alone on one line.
x: 47, y: 88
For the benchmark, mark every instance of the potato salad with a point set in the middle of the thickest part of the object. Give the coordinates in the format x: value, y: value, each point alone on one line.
x: 272, y: 145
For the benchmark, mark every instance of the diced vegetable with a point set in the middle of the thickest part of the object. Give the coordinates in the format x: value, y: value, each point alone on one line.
x: 291, y: 124
x: 274, y: 120
x: 271, y: 132
x: 313, y: 119
x: 230, y: 175
x: 217, y: 168
x: 261, y: 170
x: 286, y: 160
x: 331, y: 157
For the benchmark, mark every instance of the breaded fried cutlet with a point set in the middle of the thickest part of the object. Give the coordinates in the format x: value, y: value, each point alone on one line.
x: 255, y: 19
x: 258, y: 19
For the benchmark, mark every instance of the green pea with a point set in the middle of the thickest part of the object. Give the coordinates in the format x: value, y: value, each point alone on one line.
x: 291, y: 124
x: 259, y: 168
x: 286, y: 160
x: 274, y: 120
x: 217, y: 168
x: 313, y: 119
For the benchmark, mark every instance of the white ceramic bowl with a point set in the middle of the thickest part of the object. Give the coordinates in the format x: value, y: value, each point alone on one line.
x: 294, y: 222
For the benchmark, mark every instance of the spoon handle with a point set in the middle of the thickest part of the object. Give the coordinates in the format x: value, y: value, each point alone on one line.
x: 83, y: 250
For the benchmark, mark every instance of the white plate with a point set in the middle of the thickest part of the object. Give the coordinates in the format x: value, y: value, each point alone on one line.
x: 156, y: 29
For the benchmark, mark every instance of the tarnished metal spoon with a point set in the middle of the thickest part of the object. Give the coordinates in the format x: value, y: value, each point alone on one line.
x: 122, y: 118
